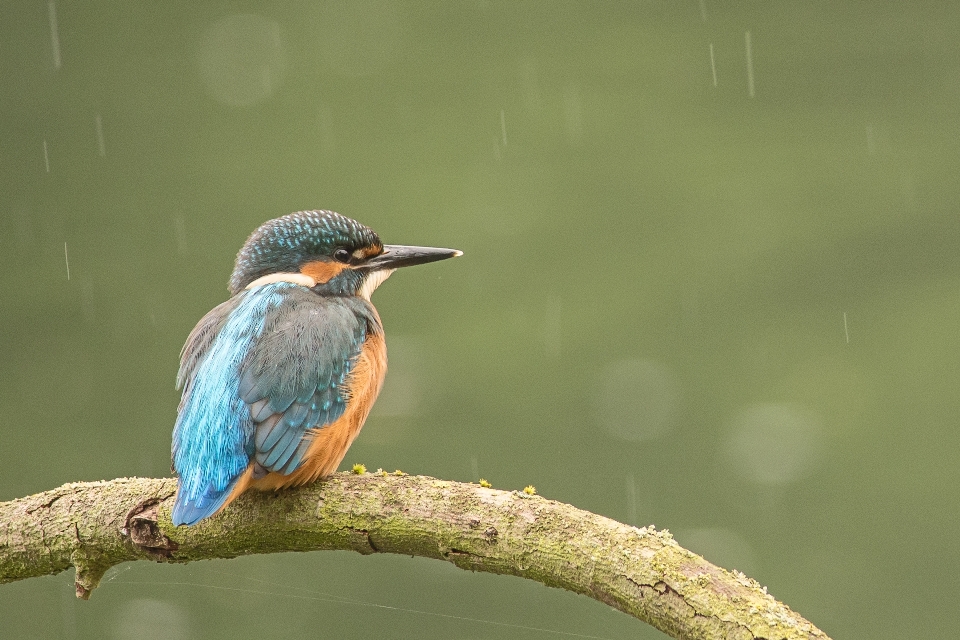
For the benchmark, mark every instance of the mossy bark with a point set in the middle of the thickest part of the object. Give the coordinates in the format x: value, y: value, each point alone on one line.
x: 643, y: 572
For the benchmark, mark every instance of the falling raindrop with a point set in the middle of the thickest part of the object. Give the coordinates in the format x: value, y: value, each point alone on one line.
x: 66, y: 257
x: 101, y: 146
x: 180, y: 233
x: 746, y: 38
x: 846, y: 330
x: 713, y: 65
x: 54, y: 34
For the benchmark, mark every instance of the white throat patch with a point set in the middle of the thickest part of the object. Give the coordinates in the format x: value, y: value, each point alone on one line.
x: 373, y: 281
x: 296, y: 278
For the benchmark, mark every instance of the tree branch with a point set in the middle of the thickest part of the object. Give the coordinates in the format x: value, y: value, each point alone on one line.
x: 93, y: 526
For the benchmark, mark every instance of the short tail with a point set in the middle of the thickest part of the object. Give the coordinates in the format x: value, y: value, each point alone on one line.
x: 190, y: 511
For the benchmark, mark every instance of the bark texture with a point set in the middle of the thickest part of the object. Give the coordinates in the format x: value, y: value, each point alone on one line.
x: 643, y: 572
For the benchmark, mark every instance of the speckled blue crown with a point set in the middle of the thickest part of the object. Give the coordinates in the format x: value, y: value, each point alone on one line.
x: 285, y: 244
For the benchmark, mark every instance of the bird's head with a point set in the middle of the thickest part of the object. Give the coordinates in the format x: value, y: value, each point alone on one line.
x: 325, y: 251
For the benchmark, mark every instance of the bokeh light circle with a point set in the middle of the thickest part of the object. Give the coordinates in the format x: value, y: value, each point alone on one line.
x: 774, y: 443
x: 242, y: 59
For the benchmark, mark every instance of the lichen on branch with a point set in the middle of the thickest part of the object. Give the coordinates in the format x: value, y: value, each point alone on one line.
x: 643, y: 572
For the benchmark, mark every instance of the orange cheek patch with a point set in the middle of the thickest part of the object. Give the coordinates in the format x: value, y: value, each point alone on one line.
x: 367, y: 252
x: 322, y: 271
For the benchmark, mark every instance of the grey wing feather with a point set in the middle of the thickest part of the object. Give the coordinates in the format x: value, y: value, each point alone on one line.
x: 200, y: 339
x: 292, y: 376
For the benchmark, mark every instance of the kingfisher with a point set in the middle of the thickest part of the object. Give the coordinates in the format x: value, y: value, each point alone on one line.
x: 278, y: 380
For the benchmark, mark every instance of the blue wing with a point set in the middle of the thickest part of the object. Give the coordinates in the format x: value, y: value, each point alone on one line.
x: 294, y: 375
x: 258, y: 372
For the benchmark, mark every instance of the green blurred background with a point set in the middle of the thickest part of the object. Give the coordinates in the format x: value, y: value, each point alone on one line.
x: 711, y: 281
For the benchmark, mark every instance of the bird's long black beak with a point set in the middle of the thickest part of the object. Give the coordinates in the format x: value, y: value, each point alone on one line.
x: 395, y: 256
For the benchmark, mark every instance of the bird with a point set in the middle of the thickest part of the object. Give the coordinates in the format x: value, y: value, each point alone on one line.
x: 277, y: 381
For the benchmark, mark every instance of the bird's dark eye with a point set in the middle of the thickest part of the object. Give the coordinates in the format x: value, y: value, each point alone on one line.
x: 342, y: 255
